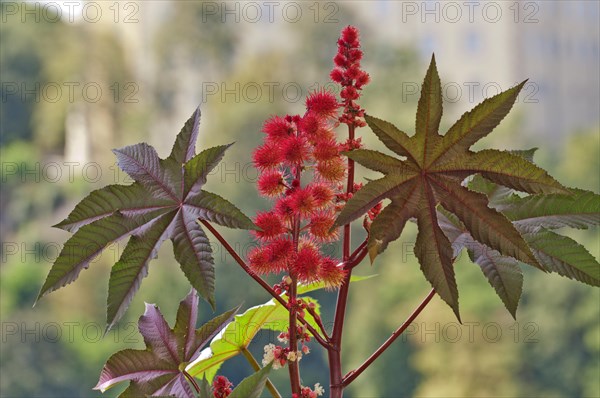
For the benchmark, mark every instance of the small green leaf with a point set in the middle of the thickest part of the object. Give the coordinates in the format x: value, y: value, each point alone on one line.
x: 252, y: 386
x: 239, y: 334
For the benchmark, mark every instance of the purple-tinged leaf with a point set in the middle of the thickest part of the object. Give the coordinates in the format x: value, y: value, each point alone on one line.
x: 158, y: 336
x: 185, y: 144
x: 485, y: 224
x: 434, y: 252
x: 142, y: 163
x: 160, y: 188
x: 159, y: 370
x: 371, y: 194
x: 392, y: 137
x: 87, y: 243
x: 196, y: 169
x: 127, y: 274
x: 211, y: 207
x: 389, y: 224
x: 194, y: 255
x: 128, y: 200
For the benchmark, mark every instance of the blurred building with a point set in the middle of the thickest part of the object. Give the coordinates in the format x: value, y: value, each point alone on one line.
x: 484, y: 46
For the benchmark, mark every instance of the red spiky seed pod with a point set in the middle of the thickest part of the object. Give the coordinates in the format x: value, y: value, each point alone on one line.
x: 271, y: 183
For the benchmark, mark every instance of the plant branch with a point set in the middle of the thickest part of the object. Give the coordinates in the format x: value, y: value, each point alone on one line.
x: 260, y: 280
x: 255, y: 365
x: 192, y: 381
x: 335, y: 352
x: 355, y: 373
x: 318, y: 321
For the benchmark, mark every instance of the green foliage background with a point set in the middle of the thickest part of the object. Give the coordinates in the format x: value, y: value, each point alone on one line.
x: 56, y: 350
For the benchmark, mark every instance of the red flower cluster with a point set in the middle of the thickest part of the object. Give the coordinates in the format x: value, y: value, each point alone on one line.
x: 303, y: 215
x: 221, y: 387
x: 349, y: 74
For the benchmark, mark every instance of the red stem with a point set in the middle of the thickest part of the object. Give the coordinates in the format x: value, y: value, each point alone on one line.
x: 355, y: 373
x: 334, y: 353
x: 260, y: 281
x: 294, y: 369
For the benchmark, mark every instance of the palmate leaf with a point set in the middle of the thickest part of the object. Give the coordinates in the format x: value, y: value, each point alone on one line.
x: 165, y: 202
x: 556, y: 253
x: 502, y: 272
x: 430, y: 172
x: 579, y: 210
x: 158, y: 370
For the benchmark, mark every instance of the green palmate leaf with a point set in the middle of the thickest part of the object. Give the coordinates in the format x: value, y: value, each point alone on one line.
x: 392, y: 137
x: 486, y: 225
x: 430, y: 172
x: 165, y: 202
x: 375, y: 160
x: 502, y: 272
x: 506, y: 169
x: 158, y: 370
x: 475, y: 124
x: 252, y: 386
x: 564, y: 256
x: 371, y: 194
x: 579, y: 210
x: 389, y: 224
x: 238, y: 335
x: 434, y: 252
x: 429, y: 114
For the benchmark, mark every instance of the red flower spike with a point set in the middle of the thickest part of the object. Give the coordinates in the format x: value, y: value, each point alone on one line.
x: 322, y: 194
x: 302, y: 201
x: 331, y: 274
x: 333, y: 170
x: 284, y: 208
x: 221, y: 387
x: 271, y: 183
x: 320, y: 226
x: 267, y: 156
x: 278, y: 128
x: 310, y: 124
x: 337, y: 75
x: 307, y: 264
x: 326, y: 150
x: 294, y: 150
x: 271, y: 225
x: 350, y: 36
x: 323, y: 103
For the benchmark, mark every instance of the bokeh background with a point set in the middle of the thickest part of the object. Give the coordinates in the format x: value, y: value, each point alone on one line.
x: 80, y: 78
